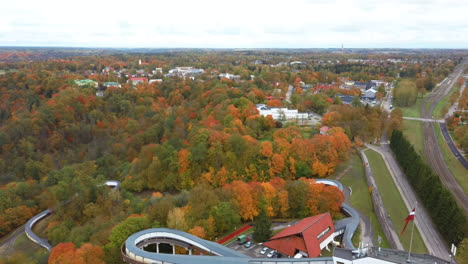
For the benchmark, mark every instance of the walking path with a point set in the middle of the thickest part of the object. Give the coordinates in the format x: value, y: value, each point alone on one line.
x: 380, y: 211
x: 432, y: 239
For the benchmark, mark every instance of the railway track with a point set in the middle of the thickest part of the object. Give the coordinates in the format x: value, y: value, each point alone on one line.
x: 431, y: 146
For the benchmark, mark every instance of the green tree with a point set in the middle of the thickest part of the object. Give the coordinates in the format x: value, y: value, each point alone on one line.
x: 262, y: 228
x: 225, y: 216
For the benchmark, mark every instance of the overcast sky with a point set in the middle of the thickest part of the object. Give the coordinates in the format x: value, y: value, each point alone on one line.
x: 235, y: 23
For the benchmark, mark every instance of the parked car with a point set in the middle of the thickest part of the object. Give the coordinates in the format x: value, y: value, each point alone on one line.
x: 271, y: 253
x: 248, y: 244
x: 264, y: 250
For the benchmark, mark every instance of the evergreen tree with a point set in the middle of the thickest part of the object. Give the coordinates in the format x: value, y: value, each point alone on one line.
x: 262, y: 229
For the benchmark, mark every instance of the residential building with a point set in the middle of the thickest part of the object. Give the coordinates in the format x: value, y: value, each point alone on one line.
x: 86, y: 82
x: 137, y: 80
x: 229, y: 76
x: 370, y: 94
x: 112, y: 84
x: 324, y: 130
x: 346, y: 99
x: 155, y: 80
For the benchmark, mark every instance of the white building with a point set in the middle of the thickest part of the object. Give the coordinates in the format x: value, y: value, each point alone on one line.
x: 370, y: 93
x: 229, y: 76
x: 281, y: 113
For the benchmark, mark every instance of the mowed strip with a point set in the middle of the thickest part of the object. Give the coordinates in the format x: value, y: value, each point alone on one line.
x: 455, y: 167
x: 394, y: 202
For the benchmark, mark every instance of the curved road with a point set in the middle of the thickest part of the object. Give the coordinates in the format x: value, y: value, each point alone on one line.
x: 432, y: 239
x: 431, y: 145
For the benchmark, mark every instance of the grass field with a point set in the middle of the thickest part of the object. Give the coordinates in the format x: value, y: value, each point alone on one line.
x: 444, y: 103
x: 394, y: 202
x: 414, y: 110
x: 30, y: 249
x: 360, y: 198
x: 455, y: 167
x: 412, y: 129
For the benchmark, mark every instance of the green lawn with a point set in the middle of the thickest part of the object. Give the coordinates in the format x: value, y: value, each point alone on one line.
x: 360, y: 198
x: 412, y: 129
x: 438, y: 110
x: 455, y: 167
x: 414, y: 110
x: 394, y: 202
x: 31, y: 249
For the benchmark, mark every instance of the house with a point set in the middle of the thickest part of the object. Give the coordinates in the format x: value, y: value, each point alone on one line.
x: 87, y: 83
x: 346, y: 99
x: 308, y: 237
x: 306, y: 87
x: 378, y: 83
x: 157, y: 70
x: 324, y: 130
x: 137, y: 80
x: 229, y: 76
x: 155, y: 80
x: 324, y: 86
x: 112, y: 84
x: 361, y: 85
x: 370, y: 94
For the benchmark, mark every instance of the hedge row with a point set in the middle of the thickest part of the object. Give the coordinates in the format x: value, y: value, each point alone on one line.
x: 447, y: 216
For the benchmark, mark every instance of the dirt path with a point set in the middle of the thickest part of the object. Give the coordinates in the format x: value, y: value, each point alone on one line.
x: 7, y: 245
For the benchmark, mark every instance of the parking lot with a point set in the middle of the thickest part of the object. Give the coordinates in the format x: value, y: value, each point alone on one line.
x: 253, y: 251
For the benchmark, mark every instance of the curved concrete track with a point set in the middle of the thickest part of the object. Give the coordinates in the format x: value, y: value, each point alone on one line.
x: 31, y: 235
x: 31, y: 222
x: 431, y: 146
x: 132, y: 251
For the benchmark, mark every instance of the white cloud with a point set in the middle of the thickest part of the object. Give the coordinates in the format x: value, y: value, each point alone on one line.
x: 242, y: 23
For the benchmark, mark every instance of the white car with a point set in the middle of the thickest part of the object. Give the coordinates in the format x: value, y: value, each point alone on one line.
x: 271, y: 253
x: 264, y: 250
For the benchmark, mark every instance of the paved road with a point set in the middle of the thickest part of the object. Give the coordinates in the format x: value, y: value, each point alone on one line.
x: 433, y: 240
x: 431, y: 146
x: 425, y: 119
x: 7, y: 245
x: 456, y: 152
x: 452, y: 146
x: 289, y: 93
x: 379, y: 208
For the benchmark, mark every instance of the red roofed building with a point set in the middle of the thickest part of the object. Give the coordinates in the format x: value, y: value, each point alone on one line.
x: 324, y: 130
x: 308, y: 237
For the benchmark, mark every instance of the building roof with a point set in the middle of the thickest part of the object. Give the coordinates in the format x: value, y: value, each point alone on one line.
x: 304, y: 236
x: 324, y: 129
x: 138, y: 79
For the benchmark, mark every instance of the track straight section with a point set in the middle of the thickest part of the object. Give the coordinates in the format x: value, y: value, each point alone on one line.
x: 431, y: 146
